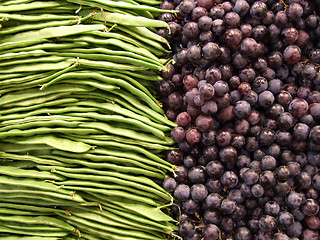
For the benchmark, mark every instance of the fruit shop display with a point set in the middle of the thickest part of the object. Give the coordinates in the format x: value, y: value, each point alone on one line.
x: 150, y: 120
x: 82, y: 135
x: 244, y: 89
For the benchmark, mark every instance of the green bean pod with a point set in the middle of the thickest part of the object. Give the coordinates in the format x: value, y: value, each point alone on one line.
x: 27, y: 157
x: 16, y: 172
x: 108, y: 181
x: 127, y: 177
x: 53, y: 32
x: 117, y: 118
x: 59, y: 234
x: 122, y: 164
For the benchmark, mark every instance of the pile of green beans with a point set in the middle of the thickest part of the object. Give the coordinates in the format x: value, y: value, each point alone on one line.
x: 81, y: 134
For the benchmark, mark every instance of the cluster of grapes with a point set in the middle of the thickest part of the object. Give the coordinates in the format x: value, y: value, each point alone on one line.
x: 244, y: 90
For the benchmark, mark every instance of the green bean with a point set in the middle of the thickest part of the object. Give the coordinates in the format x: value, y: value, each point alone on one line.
x: 38, y: 18
x: 110, y: 80
x: 141, y: 217
x: 106, y: 221
x: 133, y: 148
x: 33, y: 124
x: 21, y: 43
x: 34, y: 209
x: 126, y: 141
x: 131, y: 81
x: 11, y: 75
x: 127, y: 20
x: 136, y: 179
x: 21, y: 212
x: 110, y: 50
x: 28, y: 157
x: 149, y: 2
x: 52, y: 32
x: 148, y: 34
x: 117, y: 109
x: 20, y: 237
x: 48, y: 47
x: 132, y: 156
x: 107, y: 97
x: 160, y: 117
x: 136, y: 166
x: 152, y: 213
x: 108, y: 181
x: 83, y: 226
x: 96, y: 84
x: 116, y: 4
x: 39, y: 78
x: 139, y: 41
x: 17, y: 172
x: 21, y: 55
x: 18, y: 164
x: 66, y: 9
x: 104, y: 65
x: 145, y: 75
x: 108, y: 193
x: 49, y: 59
x: 111, y: 98
x: 28, y: 119
x: 87, y: 236
x: 109, y: 166
x: 126, y: 220
x: 35, y: 92
x: 13, y: 147
x: 81, y: 185
x: 112, y: 129
x: 43, y: 25
x: 143, y: 33
x: 26, y: 192
x: 112, y: 59
x: 28, y: 6
x: 23, y: 79
x: 30, y: 227
x: 38, y: 220
x: 35, y: 233
x: 121, y: 37
x: 128, y: 105
x: 113, y: 42
x: 49, y: 112
x: 40, y: 106
x: 36, y: 100
x: 58, y: 143
x: 37, y: 200
x: 10, y: 2
x: 90, y: 220
x: 107, y: 118
x: 40, y: 185
x: 43, y: 66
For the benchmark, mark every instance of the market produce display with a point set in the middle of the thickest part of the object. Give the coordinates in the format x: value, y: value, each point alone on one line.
x: 82, y: 135
x: 244, y: 89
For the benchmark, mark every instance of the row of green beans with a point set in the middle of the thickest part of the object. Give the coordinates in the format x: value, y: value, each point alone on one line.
x: 82, y: 136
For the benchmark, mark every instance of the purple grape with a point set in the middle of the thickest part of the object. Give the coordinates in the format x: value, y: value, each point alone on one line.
x: 182, y: 192
x: 183, y: 119
x: 258, y: 10
x: 186, y: 229
x: 204, y: 123
x: 292, y: 54
x: 210, y: 232
x: 193, y: 136
x: 295, y: 11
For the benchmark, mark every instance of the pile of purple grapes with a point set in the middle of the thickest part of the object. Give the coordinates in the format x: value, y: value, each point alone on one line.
x: 244, y: 90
